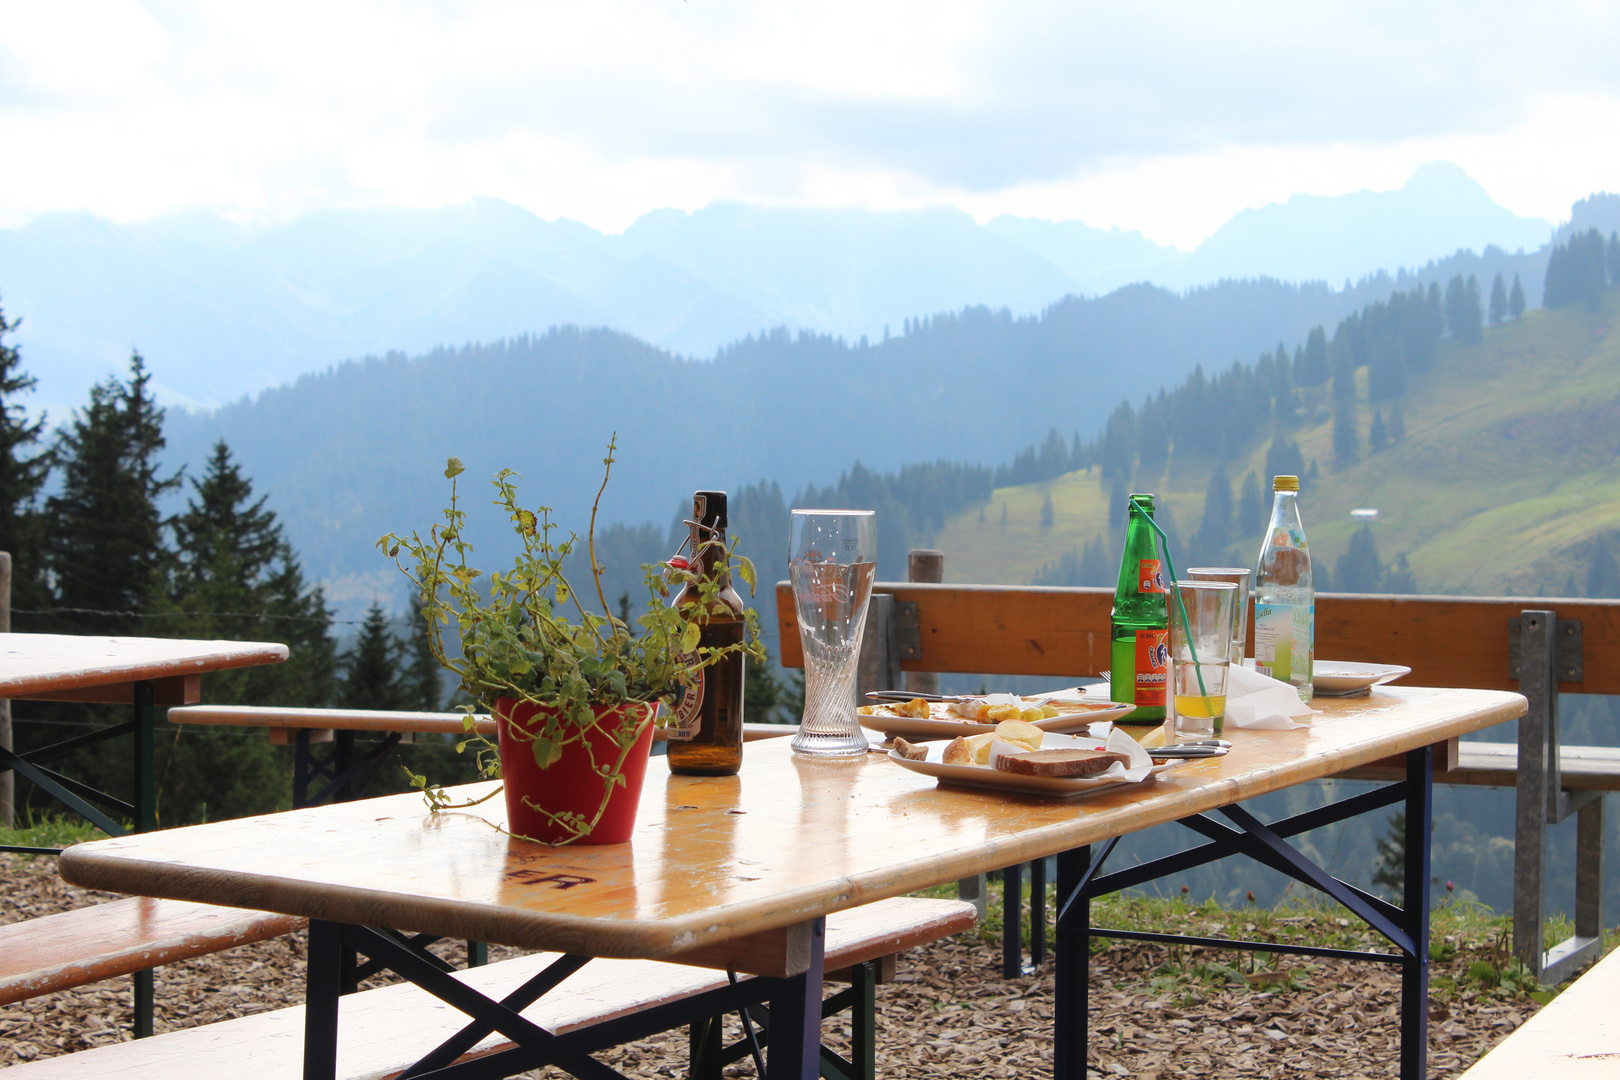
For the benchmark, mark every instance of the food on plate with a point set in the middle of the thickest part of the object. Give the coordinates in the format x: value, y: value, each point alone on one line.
x: 909, y: 750
x: 915, y: 707
x: 958, y: 752
x: 1071, y: 762
x: 1019, y: 733
x: 998, y: 707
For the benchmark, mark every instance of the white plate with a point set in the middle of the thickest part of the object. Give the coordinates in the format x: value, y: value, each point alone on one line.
x: 983, y: 776
x: 916, y: 727
x: 1338, y: 677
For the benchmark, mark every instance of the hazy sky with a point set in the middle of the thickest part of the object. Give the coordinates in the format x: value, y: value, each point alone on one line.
x: 1160, y: 116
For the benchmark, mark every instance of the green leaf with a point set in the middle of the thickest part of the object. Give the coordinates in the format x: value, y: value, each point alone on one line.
x: 689, y: 637
x: 745, y: 570
x: 546, y: 751
x: 453, y: 468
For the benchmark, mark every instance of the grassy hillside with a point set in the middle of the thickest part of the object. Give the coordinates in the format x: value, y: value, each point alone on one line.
x: 1511, y: 459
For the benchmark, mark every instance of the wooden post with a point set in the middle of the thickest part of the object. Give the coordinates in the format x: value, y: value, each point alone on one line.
x: 879, y: 665
x: 928, y: 566
x: 8, y: 783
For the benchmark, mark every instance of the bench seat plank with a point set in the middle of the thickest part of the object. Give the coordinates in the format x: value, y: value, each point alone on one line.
x: 286, y: 718
x: 70, y: 948
x: 1489, y: 764
x: 1575, y: 1037
x: 384, y: 1030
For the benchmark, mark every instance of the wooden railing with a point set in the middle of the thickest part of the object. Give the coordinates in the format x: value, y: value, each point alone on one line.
x: 1025, y: 630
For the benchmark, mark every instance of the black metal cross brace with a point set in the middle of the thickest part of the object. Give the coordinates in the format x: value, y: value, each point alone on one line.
x: 345, y: 775
x: 794, y: 1053
x: 1407, y: 928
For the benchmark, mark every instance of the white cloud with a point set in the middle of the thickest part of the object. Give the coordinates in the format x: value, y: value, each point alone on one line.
x: 1164, y: 116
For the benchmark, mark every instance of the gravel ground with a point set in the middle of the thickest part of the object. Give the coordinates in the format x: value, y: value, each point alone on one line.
x: 948, y: 1014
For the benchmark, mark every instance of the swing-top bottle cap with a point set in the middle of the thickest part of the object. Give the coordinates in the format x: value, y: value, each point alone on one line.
x: 709, y: 508
x: 1285, y: 483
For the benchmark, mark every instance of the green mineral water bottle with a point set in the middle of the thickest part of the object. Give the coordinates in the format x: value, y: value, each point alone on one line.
x: 1285, y: 595
x: 1139, y: 626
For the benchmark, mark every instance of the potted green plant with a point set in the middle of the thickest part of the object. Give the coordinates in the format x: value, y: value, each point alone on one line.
x: 575, y: 692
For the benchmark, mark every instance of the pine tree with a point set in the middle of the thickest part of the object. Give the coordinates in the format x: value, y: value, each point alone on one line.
x: 426, y: 677
x: 234, y: 575
x: 1047, y: 514
x: 1463, y: 310
x: 1346, y: 442
x: 1602, y: 573
x: 1397, y: 425
x: 104, y: 545
x: 1313, y: 369
x: 1284, y: 458
x: 1378, y: 436
x: 373, y: 667
x: 1400, y: 580
x: 1391, y: 869
x: 22, y: 475
x: 1499, y: 301
x: 1614, y: 257
x: 1216, y: 531
x: 1251, y: 515
x: 1516, y: 299
x: 1359, y: 569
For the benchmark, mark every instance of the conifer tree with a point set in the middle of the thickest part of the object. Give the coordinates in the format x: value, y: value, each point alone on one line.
x: 374, y: 669
x: 426, y: 677
x: 1614, y: 257
x: 1602, y: 573
x: 1359, y: 569
x: 1251, y: 514
x: 1397, y: 425
x: 104, y: 544
x: 1463, y: 316
x: 1047, y: 512
x: 1516, y: 299
x: 1499, y: 301
x: 22, y: 475
x: 1216, y: 531
x: 1346, y: 442
x: 1378, y: 435
x: 1313, y: 369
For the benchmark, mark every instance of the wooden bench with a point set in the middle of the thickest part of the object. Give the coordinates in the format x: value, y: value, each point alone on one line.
x: 123, y: 937
x: 347, y: 773
x: 385, y: 1029
x: 1538, y: 647
x: 1576, y: 1036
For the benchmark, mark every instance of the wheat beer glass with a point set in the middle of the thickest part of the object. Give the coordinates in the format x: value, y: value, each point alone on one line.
x: 832, y: 560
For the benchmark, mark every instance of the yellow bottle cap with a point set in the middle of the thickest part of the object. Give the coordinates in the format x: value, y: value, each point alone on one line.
x: 1285, y: 483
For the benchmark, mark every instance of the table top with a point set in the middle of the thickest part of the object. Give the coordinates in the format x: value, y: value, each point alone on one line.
x: 720, y: 858
x: 33, y: 665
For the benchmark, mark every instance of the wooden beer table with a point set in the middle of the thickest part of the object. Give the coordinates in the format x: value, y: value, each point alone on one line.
x: 143, y: 673
x: 740, y: 872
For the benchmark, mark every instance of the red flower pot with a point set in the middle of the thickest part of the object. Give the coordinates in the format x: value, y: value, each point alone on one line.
x: 572, y: 784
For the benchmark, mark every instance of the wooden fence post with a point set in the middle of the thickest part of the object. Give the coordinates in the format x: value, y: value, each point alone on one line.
x: 8, y: 783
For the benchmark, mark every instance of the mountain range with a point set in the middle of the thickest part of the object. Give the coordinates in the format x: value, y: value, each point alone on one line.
x: 222, y: 310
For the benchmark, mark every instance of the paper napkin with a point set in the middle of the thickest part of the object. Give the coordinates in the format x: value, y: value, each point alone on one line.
x: 1258, y: 701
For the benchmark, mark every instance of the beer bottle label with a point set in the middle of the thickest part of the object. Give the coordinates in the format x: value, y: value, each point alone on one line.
x: 1149, y: 578
x: 1152, y: 667
x: 684, y: 721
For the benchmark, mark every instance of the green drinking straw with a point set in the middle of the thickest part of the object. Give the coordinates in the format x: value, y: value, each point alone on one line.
x: 1186, y: 623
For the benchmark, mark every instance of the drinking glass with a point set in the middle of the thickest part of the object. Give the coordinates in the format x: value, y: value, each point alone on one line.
x: 832, y: 560
x: 1198, y: 683
x: 1239, y: 576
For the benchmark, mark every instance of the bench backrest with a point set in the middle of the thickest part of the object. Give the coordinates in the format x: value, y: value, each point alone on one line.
x: 1062, y: 632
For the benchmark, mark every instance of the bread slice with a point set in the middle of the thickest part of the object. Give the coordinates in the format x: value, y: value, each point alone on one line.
x: 910, y: 751
x: 1068, y: 762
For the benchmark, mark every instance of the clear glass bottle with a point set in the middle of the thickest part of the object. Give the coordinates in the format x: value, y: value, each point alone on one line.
x: 1139, y: 625
x: 707, y: 736
x: 1285, y: 595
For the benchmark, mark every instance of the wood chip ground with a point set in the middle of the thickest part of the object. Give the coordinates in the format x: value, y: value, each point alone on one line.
x: 949, y: 1014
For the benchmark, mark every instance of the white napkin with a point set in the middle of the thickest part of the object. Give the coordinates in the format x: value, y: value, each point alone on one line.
x: 1258, y: 701
x: 1119, y: 742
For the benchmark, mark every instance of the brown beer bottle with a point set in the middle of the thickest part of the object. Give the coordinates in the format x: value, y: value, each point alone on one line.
x: 706, y: 738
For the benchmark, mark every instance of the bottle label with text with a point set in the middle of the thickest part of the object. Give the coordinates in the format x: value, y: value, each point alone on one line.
x: 683, y: 723
x: 1282, y: 641
x: 1152, y: 667
x: 1149, y: 578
